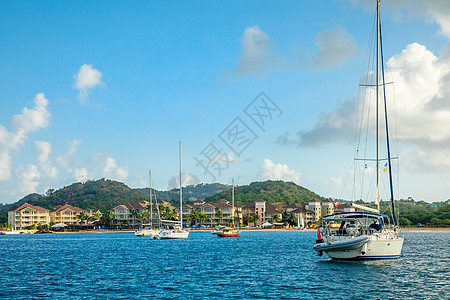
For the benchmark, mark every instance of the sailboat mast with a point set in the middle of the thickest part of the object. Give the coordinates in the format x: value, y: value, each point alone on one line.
x: 232, y: 203
x: 391, y: 186
x: 151, y: 203
x: 181, y: 194
x: 377, y: 197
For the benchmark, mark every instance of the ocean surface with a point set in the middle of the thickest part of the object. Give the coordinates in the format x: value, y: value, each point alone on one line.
x: 257, y: 265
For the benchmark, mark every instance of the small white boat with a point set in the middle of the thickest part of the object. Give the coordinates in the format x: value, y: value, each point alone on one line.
x: 147, y: 231
x: 174, y: 234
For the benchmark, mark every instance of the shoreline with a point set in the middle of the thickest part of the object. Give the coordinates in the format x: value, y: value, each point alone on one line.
x: 410, y: 229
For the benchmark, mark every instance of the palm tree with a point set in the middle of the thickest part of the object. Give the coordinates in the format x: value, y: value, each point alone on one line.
x: 194, y: 216
x: 94, y: 217
x: 250, y: 219
x: 82, y: 216
x: 134, y: 214
x: 255, y: 218
x: 219, y: 214
x: 142, y: 216
x: 107, y: 218
x: 275, y: 218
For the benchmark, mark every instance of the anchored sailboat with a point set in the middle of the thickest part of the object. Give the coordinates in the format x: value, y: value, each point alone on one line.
x: 229, y: 231
x: 149, y: 229
x: 366, y: 234
x: 176, y: 230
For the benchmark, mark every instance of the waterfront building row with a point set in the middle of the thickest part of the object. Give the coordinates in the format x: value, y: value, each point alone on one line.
x: 27, y: 215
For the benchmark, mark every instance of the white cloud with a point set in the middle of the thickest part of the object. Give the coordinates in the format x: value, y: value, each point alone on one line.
x: 81, y: 174
x: 43, y: 150
x: 112, y: 170
x: 27, y: 178
x: 66, y: 160
x: 87, y: 79
x: 22, y: 125
x: 334, y: 46
x: 422, y: 109
x: 270, y: 170
x: 256, y: 56
x: 5, y: 166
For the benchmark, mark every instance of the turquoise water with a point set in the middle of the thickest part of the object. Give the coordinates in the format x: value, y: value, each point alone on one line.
x: 257, y: 265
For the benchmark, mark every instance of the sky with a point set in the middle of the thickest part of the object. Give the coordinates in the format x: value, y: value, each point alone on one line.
x: 254, y: 90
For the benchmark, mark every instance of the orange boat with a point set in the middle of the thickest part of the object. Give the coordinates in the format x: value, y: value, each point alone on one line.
x: 227, y: 232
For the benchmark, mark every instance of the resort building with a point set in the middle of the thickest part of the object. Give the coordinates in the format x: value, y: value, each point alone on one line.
x: 219, y: 213
x: 304, y: 216
x: 343, y: 208
x: 262, y: 212
x: 320, y: 209
x: 27, y: 215
x: 68, y: 214
x: 128, y: 214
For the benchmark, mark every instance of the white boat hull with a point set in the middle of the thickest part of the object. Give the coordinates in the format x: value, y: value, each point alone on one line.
x: 174, y: 234
x: 147, y: 232
x: 373, y: 249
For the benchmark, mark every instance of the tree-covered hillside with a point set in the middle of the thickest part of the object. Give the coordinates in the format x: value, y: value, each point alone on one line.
x: 269, y: 191
x: 100, y: 194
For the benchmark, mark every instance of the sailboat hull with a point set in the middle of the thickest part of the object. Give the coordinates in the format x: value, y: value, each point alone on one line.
x: 231, y: 233
x: 174, y: 234
x: 373, y: 249
x: 147, y: 232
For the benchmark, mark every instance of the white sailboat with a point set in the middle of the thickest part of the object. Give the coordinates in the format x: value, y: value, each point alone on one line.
x: 176, y: 230
x: 149, y: 229
x: 366, y: 234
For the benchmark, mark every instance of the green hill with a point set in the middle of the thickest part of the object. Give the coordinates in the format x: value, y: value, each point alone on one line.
x: 100, y: 194
x: 270, y: 191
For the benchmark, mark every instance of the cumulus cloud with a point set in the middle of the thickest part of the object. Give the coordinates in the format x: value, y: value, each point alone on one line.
x: 256, y: 55
x: 422, y: 109
x: 81, y: 174
x: 5, y: 166
x: 257, y: 58
x: 112, y: 170
x: 334, y: 46
x: 43, y: 150
x: 270, y: 170
x: 28, y: 177
x: 21, y: 125
x: 86, y: 79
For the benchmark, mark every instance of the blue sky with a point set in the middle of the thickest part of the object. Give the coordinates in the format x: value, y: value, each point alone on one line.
x: 93, y: 89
